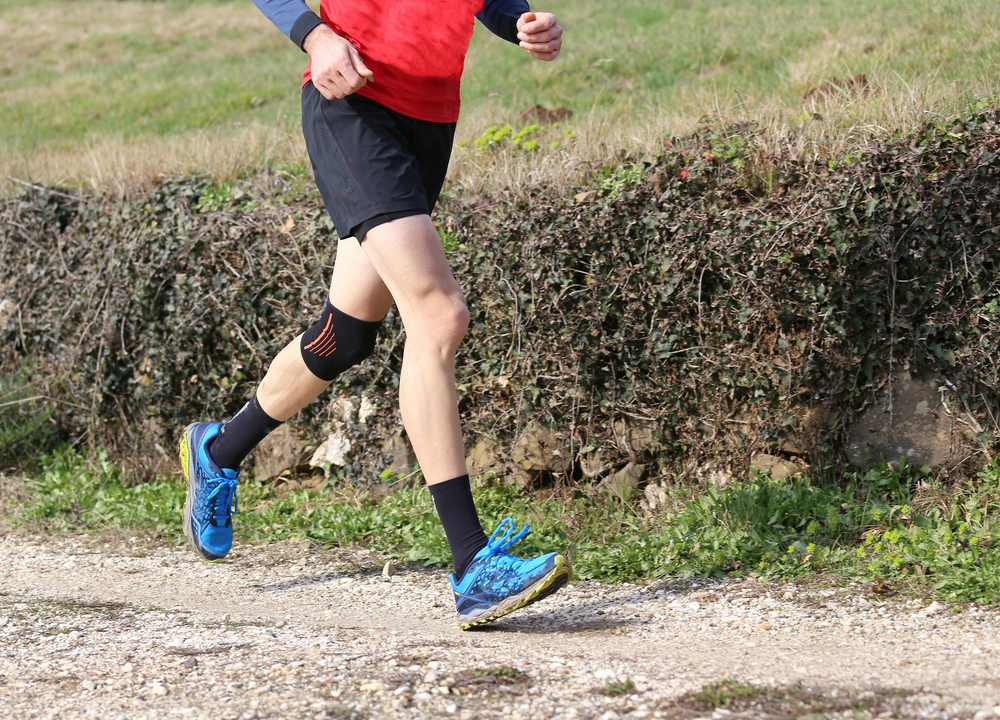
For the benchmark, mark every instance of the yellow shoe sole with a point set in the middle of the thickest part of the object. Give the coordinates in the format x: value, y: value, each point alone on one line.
x: 559, y: 576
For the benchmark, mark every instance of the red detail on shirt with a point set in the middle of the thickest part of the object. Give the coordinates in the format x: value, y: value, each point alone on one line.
x: 414, y: 48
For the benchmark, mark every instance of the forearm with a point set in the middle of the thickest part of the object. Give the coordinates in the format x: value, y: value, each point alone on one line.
x: 500, y: 17
x: 292, y: 17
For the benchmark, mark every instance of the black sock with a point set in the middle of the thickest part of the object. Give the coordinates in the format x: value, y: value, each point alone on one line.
x: 455, y: 507
x: 241, y: 434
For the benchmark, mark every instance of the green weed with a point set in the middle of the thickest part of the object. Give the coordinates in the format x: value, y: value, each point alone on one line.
x: 613, y: 181
x: 449, y: 240
x: 724, y: 693
x: 869, y: 527
x: 500, y: 673
x: 527, y: 139
x: 614, y: 688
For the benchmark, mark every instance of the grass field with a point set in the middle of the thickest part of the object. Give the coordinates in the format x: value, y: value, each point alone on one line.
x: 102, y: 91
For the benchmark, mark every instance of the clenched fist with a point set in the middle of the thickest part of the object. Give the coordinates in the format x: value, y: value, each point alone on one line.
x: 540, y: 34
x: 336, y: 66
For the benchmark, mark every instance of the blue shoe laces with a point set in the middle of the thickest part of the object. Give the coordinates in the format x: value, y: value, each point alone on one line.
x: 221, y: 499
x: 502, y: 566
x: 507, y: 536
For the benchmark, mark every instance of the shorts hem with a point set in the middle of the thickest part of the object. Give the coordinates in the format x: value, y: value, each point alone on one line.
x: 379, y: 215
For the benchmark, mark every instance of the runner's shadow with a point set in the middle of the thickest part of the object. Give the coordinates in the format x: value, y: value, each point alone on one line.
x: 597, y: 616
x: 548, y: 624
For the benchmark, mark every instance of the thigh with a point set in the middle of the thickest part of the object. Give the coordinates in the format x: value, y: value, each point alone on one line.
x: 356, y: 288
x: 408, y: 257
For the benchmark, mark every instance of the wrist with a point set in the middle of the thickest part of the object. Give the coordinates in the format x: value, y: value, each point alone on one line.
x: 314, y: 35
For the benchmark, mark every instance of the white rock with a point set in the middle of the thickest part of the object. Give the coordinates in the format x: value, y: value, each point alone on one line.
x: 332, y: 452
x: 932, y: 609
x: 422, y: 696
x: 367, y: 408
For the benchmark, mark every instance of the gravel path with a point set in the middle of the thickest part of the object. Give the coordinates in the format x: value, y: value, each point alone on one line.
x: 125, y: 631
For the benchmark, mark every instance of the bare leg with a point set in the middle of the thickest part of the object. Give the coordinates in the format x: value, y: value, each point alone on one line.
x: 408, y: 257
x: 357, y: 290
x: 402, y: 261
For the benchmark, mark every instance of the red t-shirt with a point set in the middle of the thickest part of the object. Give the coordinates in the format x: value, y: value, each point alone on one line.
x: 415, y: 49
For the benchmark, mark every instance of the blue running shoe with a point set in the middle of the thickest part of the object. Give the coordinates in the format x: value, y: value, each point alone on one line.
x: 211, y: 494
x: 497, y: 583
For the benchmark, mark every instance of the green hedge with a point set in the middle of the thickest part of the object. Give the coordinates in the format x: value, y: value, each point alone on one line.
x: 709, y: 295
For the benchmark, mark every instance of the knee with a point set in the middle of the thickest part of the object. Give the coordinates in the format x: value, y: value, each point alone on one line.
x: 455, y: 323
x: 337, y: 342
x: 445, y: 326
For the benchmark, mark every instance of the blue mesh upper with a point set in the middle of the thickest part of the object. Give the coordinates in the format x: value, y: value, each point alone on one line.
x: 494, y: 574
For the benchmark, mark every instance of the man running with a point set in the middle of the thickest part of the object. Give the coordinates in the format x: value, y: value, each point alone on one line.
x: 380, y: 99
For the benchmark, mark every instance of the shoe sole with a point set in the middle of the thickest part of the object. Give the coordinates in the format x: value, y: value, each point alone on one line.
x: 185, y: 455
x: 559, y: 576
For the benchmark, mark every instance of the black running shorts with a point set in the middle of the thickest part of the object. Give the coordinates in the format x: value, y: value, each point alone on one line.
x: 372, y: 164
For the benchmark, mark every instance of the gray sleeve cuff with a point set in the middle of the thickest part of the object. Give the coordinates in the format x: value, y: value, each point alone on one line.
x: 307, y: 22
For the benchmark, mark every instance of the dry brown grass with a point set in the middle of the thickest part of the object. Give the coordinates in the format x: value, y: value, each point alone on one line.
x: 827, y: 125
x: 128, y: 165
x: 824, y: 126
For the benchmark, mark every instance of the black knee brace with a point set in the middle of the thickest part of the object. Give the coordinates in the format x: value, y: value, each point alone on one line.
x: 336, y: 343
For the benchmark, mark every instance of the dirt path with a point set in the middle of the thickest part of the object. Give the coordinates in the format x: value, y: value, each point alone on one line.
x: 100, y: 631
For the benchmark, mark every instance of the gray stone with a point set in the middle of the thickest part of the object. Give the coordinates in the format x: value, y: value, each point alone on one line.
x: 916, y: 426
x: 276, y: 453
x: 594, y: 463
x: 486, y: 456
x: 639, y: 436
x: 779, y: 468
x: 624, y: 484
x: 539, y: 449
x: 399, y: 453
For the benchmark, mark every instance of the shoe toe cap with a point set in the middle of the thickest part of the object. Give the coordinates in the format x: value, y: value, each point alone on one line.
x: 216, y: 541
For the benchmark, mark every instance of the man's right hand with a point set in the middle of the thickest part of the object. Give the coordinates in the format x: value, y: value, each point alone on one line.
x: 336, y: 67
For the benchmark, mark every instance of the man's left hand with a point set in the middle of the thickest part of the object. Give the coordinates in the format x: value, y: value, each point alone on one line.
x: 540, y: 34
